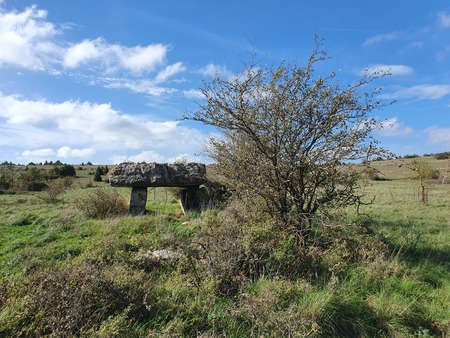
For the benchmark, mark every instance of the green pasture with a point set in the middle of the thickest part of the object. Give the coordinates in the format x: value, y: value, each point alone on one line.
x: 388, y: 275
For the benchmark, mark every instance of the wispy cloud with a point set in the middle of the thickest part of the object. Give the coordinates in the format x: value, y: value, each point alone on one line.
x: 170, y: 71
x: 442, y: 55
x: 151, y: 156
x: 212, y: 70
x: 387, y: 69
x: 438, y: 135
x: 67, y: 152
x: 193, y: 94
x: 427, y: 91
x: 153, y: 87
x: 41, y: 155
x: 393, y: 36
x: 443, y: 19
x: 144, y: 156
x: 148, y: 87
x: 393, y: 127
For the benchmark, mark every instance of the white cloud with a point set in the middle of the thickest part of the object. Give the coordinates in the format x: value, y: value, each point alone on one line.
x: 444, y: 19
x: 170, y: 71
x: 38, y: 155
x: 151, y: 87
x: 148, y: 87
x: 149, y: 156
x: 136, y: 59
x: 394, y: 127
x: 139, y: 59
x: 416, y: 44
x: 98, y: 126
x: 145, y: 156
x: 193, y: 94
x: 39, y: 152
x: 437, y: 135
x: 26, y: 39
x: 41, y: 155
x: 82, y: 52
x: 431, y: 92
x: 387, y: 69
x: 383, y: 38
x: 442, y: 55
x: 213, y: 70
x: 66, y: 151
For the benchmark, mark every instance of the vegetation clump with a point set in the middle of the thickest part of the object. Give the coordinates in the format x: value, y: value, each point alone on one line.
x: 101, y: 203
x: 75, y: 300
x: 98, y: 175
x: 442, y: 156
x: 65, y: 170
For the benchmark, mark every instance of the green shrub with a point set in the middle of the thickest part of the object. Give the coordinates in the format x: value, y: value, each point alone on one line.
x: 411, y: 156
x: 424, y: 171
x: 442, y: 156
x: 54, y: 189
x: 102, y: 203
x: 4, y: 183
x: 65, y: 170
x: 227, y: 253
x: 371, y: 173
x: 239, y: 245
x: 73, y: 300
x: 31, y: 179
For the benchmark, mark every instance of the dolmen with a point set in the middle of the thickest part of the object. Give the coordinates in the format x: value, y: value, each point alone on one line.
x: 140, y: 176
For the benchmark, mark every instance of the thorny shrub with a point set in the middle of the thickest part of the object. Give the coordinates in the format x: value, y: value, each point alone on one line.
x: 238, y: 246
x: 55, y: 188
x: 102, y: 203
x: 67, y: 301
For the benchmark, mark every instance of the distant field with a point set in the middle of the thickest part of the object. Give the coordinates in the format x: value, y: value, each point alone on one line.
x: 400, y: 169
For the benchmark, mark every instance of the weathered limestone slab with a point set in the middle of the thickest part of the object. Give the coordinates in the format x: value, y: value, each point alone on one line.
x: 139, y: 176
x: 138, y: 200
x: 157, y: 175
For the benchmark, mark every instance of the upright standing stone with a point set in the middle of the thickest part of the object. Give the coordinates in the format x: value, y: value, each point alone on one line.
x: 194, y: 199
x: 138, y: 200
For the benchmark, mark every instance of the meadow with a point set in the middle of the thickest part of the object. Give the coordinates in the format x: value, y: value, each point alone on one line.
x: 381, y: 270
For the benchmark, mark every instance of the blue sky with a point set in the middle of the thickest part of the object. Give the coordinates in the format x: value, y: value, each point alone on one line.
x: 107, y: 81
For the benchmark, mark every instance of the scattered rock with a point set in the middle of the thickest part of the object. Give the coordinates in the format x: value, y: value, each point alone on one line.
x: 163, y: 254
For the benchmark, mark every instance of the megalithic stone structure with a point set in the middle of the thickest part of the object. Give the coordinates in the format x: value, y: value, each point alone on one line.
x: 139, y: 176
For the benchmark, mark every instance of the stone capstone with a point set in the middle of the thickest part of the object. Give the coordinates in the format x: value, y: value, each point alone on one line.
x: 139, y: 176
x: 157, y: 175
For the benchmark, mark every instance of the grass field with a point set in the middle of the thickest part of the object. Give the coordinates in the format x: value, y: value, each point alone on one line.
x: 387, y: 274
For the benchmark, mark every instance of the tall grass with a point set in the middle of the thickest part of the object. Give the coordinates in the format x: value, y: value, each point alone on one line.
x: 382, y: 273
